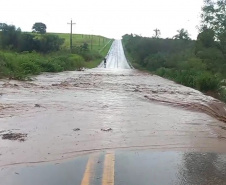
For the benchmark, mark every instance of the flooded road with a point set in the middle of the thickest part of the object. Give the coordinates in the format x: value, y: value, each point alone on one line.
x: 63, y: 117
x: 125, y: 167
x: 116, y: 58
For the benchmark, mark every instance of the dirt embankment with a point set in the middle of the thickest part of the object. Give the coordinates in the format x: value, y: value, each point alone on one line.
x: 215, y: 108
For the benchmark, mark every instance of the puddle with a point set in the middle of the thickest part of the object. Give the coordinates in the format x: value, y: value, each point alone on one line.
x: 130, y: 167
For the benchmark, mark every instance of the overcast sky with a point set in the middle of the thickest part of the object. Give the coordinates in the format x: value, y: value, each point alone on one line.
x: 105, y: 17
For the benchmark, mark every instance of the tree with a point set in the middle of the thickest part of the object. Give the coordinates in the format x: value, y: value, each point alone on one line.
x: 182, y: 34
x: 2, y: 26
x: 214, y: 17
x: 9, y: 36
x: 206, y: 39
x: 210, y: 51
x: 26, y: 42
x: 39, y: 27
x: 47, y: 43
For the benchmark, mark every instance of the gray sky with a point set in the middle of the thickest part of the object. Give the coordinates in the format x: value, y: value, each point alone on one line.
x: 105, y: 17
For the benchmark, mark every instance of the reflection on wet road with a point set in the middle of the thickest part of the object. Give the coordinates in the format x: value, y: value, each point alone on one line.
x: 116, y: 58
x: 67, y: 115
x: 127, y: 168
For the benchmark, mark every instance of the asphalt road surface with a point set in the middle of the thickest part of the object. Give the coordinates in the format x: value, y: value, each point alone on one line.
x: 109, y: 126
x: 116, y: 58
x: 124, y: 167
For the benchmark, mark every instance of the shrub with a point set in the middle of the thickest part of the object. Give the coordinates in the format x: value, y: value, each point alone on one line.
x: 153, y: 62
x: 20, y: 65
x: 222, y: 93
x: 29, y: 67
x: 186, y: 77
x: 207, y: 82
x: 90, y: 55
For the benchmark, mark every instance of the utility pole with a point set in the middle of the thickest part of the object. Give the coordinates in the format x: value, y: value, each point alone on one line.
x: 71, y: 23
x: 157, y: 33
x: 91, y: 42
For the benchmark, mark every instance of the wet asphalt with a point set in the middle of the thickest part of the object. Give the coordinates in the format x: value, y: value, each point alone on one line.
x: 130, y: 168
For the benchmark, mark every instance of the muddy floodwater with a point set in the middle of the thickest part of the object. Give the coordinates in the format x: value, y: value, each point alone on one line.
x: 65, y: 115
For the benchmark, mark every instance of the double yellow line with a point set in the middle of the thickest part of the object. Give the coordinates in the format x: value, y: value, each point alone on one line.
x: 108, y: 171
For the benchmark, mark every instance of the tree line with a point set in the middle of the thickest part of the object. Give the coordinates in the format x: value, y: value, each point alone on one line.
x: 199, y: 64
x: 12, y: 38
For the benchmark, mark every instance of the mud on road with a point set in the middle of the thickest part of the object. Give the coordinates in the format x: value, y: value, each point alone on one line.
x: 141, y: 111
x: 67, y: 114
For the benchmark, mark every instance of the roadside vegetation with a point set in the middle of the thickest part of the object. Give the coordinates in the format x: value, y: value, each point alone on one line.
x: 23, y: 54
x: 200, y: 64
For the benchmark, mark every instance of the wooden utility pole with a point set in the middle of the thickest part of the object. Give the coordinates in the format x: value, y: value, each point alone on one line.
x: 71, y: 23
x: 91, y: 42
x: 157, y: 33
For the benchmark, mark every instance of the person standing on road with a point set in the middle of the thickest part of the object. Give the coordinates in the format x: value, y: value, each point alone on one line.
x: 105, y: 62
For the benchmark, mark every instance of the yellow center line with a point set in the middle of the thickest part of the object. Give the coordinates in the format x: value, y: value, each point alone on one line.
x: 89, y: 172
x: 109, y: 169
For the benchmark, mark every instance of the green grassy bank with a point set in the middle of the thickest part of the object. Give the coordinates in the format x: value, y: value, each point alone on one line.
x: 18, y: 59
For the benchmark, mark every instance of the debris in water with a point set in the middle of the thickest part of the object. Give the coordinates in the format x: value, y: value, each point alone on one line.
x: 135, y: 90
x: 76, y: 129
x: 81, y: 69
x: 14, y: 136
x: 221, y: 137
x: 106, y: 129
x: 37, y: 105
x: 64, y: 84
x: 224, y: 128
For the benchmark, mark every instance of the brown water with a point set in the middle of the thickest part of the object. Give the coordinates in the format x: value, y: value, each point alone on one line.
x: 143, y: 111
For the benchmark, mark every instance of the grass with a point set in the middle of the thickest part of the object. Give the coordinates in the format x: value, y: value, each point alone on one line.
x: 20, y: 66
x: 103, y: 53
x: 95, y: 42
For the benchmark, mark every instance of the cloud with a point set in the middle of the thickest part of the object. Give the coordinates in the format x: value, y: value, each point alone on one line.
x: 105, y: 17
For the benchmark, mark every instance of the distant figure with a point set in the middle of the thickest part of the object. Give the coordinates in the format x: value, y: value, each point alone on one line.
x: 105, y: 62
